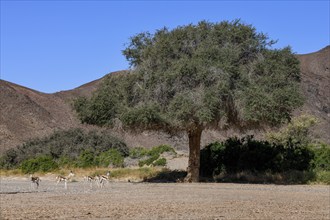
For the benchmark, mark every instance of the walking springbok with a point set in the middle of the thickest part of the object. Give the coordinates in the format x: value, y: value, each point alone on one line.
x: 91, y: 179
x: 103, y: 179
x: 34, y: 180
x: 64, y: 179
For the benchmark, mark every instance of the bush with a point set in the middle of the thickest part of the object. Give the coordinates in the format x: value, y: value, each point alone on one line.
x: 211, y: 159
x: 246, y: 154
x: 322, y: 157
x: 154, y: 153
x: 138, y: 152
x: 41, y: 163
x: 69, y: 144
x: 157, y: 150
x: 160, y: 162
x: 148, y: 161
x: 111, y: 157
x: 86, y: 159
x: 64, y: 162
x: 323, y: 177
x: 295, y: 157
x: 9, y: 159
x: 297, y: 131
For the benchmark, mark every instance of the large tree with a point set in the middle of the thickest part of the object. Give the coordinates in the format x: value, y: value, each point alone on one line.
x: 209, y: 75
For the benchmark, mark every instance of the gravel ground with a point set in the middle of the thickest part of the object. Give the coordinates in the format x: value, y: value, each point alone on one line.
x: 122, y: 200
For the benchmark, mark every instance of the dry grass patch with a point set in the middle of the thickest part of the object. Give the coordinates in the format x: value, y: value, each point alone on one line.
x: 134, y: 174
x: 14, y: 172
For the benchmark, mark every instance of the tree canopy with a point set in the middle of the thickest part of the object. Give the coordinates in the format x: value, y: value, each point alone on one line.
x: 209, y: 75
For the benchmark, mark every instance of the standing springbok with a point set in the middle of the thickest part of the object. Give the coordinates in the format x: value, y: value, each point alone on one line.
x: 34, y: 180
x: 64, y: 179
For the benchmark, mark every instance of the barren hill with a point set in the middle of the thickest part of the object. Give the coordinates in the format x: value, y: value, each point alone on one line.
x: 315, y: 73
x: 26, y: 113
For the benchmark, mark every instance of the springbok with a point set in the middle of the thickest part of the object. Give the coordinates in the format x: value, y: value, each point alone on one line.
x: 64, y: 179
x: 34, y: 180
x: 103, y: 179
x: 91, y: 179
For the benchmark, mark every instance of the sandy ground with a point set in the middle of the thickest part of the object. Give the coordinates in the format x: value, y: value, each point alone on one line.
x: 123, y: 200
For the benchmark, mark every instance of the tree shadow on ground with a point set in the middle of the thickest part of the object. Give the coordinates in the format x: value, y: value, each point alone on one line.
x: 167, y: 176
x: 286, y: 178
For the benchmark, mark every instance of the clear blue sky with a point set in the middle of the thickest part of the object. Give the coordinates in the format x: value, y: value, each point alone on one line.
x: 58, y: 45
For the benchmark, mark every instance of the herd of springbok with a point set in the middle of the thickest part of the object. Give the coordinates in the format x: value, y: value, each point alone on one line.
x: 99, y: 180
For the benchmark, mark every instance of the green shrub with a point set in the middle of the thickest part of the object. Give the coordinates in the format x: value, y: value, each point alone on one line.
x: 148, y: 161
x: 211, y: 159
x: 41, y: 163
x: 65, y: 162
x: 68, y: 144
x: 138, y: 152
x: 154, y: 153
x: 297, y: 131
x: 111, y: 157
x: 86, y: 159
x: 160, y: 162
x: 322, y: 157
x: 295, y: 157
x: 246, y: 154
x: 323, y: 177
x: 9, y: 159
x: 157, y: 150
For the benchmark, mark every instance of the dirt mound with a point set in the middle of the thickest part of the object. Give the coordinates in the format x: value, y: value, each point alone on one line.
x: 26, y: 113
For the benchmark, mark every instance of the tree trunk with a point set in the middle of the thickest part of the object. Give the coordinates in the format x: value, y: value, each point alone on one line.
x: 194, y: 155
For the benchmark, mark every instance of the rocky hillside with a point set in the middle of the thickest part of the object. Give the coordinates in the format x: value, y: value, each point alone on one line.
x: 26, y: 113
x: 315, y: 71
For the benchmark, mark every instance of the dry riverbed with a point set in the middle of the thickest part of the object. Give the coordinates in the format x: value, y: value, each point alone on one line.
x: 124, y: 200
